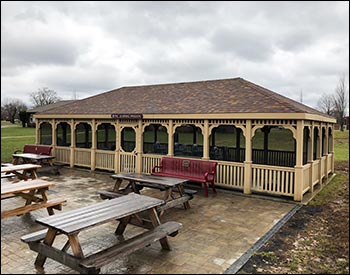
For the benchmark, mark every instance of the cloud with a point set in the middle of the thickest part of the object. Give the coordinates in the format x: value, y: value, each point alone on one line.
x: 91, y: 47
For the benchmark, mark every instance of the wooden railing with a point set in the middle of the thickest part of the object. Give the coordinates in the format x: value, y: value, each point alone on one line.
x: 329, y: 163
x: 104, y: 160
x: 62, y: 154
x: 306, y: 177
x: 323, y: 166
x: 230, y: 174
x: 148, y: 161
x: 273, y: 179
x: 127, y: 162
x: 82, y: 157
x: 315, y: 172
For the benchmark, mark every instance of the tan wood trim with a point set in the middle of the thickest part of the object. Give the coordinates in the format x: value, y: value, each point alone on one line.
x: 297, y: 116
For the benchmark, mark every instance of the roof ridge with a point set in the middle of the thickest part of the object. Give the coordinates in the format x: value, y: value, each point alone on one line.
x: 183, y: 82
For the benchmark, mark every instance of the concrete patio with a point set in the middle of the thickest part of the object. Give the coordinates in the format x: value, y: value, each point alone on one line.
x: 216, y: 232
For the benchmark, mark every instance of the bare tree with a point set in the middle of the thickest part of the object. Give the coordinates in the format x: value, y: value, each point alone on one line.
x: 326, y: 104
x: 44, y: 96
x: 341, y: 101
x: 11, y: 108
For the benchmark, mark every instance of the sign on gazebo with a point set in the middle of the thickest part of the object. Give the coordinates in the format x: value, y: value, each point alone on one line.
x: 127, y: 116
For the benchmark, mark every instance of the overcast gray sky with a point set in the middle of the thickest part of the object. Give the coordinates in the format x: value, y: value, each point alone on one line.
x: 85, y: 48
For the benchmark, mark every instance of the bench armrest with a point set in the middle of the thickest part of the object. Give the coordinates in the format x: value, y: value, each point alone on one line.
x: 18, y: 151
x: 209, y: 177
x: 154, y: 168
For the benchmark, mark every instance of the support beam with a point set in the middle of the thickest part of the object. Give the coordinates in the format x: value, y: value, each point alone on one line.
x: 170, y: 138
x: 299, y: 177
x: 72, y: 144
x: 206, y: 140
x: 248, y: 159
x: 93, y: 145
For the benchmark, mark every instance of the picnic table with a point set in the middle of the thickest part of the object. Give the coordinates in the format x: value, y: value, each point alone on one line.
x: 29, y: 158
x: 21, y: 171
x: 34, y: 193
x: 72, y: 223
x: 174, y: 192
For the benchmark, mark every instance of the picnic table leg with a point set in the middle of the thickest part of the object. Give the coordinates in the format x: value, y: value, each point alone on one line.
x: 33, y: 174
x: 31, y: 194
x: 167, y: 197
x: 117, y: 184
x: 75, y: 245
x: 15, y: 160
x: 155, y: 222
x: 122, y: 225
x: 49, y: 239
x: 181, y: 190
x: 45, y: 198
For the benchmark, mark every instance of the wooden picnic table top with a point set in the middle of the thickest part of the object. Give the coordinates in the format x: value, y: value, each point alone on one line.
x: 160, y: 180
x: 78, y: 219
x: 14, y: 168
x: 21, y: 186
x: 32, y: 156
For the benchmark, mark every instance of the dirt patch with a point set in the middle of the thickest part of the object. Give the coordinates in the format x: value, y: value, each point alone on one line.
x: 315, y: 240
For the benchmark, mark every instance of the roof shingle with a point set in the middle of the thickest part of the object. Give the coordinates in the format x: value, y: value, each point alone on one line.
x: 234, y: 95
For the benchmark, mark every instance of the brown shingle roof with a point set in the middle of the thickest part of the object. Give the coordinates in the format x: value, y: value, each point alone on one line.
x: 49, y: 106
x: 234, y: 95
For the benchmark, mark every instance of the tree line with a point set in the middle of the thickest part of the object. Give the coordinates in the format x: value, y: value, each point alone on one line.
x: 336, y: 104
x: 12, y: 109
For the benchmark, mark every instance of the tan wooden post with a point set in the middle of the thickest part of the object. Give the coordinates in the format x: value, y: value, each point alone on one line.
x: 53, y: 141
x: 53, y: 127
x: 299, y: 176
x: 248, y: 159
x: 138, y: 168
x: 37, y: 131
x: 206, y: 140
x: 171, y: 138
x: 325, y: 151
x: 310, y: 157
x: 332, y: 149
x: 319, y: 153
x: 93, y: 145
x: 117, y: 147
x: 72, y: 143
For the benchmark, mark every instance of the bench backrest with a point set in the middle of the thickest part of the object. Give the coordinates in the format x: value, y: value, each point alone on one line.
x: 187, y: 167
x: 37, y: 149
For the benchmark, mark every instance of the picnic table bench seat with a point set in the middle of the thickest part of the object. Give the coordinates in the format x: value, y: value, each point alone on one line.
x: 194, y: 170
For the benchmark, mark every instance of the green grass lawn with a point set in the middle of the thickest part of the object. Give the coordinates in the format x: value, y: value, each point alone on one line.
x: 341, y: 145
x: 14, y: 138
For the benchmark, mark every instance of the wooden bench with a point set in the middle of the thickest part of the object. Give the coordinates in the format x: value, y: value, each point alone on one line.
x: 194, y: 170
x: 36, y: 149
x: 31, y: 153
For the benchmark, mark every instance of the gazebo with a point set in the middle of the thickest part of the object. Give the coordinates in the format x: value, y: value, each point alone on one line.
x: 262, y: 141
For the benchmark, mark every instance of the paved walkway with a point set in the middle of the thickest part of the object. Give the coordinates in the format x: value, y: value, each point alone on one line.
x: 216, y: 230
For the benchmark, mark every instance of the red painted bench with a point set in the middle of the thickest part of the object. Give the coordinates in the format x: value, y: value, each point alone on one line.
x: 194, y: 170
x: 36, y: 149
